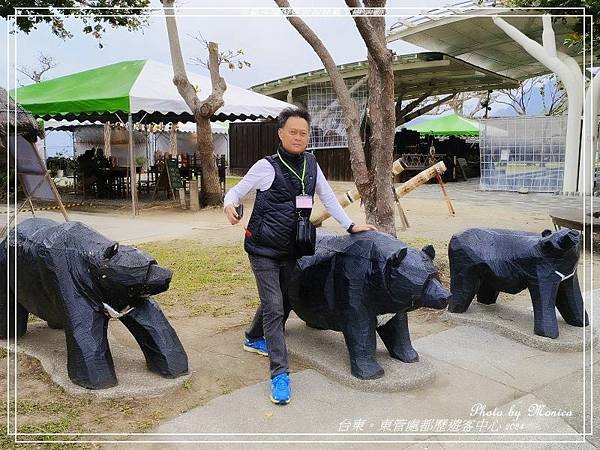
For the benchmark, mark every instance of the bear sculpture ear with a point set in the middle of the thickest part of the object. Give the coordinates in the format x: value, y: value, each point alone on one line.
x: 561, y: 241
x: 569, y: 240
x: 397, y: 257
x: 111, y: 250
x: 429, y: 251
x: 546, y: 233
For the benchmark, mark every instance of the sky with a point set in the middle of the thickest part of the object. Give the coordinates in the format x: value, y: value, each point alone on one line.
x: 270, y: 43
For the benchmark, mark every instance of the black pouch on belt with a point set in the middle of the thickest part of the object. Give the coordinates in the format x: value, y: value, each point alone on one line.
x: 306, y: 236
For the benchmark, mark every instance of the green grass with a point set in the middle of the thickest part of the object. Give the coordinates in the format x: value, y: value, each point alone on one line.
x: 214, y: 273
x: 514, y: 168
x: 50, y: 408
x: 64, y: 424
x: 231, y: 181
x: 441, y: 256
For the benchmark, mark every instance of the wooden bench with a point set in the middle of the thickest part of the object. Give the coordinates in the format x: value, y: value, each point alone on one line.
x: 573, y: 218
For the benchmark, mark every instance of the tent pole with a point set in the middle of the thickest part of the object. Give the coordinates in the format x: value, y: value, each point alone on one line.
x: 132, y: 167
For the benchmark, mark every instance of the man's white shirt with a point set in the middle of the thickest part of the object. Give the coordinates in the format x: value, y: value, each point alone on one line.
x: 260, y: 177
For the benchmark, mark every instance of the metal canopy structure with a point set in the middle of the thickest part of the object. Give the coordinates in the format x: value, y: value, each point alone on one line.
x: 415, y: 75
x: 468, y: 33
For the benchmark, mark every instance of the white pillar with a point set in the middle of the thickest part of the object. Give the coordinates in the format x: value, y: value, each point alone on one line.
x: 589, y: 143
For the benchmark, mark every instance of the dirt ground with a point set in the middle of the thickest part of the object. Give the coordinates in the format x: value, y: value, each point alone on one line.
x: 210, y: 321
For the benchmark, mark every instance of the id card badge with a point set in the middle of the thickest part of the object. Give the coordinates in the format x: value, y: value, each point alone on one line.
x: 304, y: 202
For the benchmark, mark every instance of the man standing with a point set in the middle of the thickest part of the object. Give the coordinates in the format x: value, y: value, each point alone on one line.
x: 285, y: 184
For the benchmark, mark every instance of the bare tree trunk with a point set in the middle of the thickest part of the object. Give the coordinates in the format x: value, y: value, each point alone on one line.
x: 379, y: 205
x: 209, y: 194
x: 351, y: 117
x: 374, y: 184
x: 210, y: 188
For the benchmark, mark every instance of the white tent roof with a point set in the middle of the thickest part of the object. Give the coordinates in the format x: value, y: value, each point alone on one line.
x: 188, y: 127
x: 154, y: 91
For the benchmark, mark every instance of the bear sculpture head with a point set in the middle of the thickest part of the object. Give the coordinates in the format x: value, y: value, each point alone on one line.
x: 127, y: 276
x: 410, y: 274
x: 561, y: 249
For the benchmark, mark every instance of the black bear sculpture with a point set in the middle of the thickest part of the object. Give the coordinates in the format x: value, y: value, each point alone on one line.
x: 74, y: 278
x: 363, y: 284
x: 484, y: 262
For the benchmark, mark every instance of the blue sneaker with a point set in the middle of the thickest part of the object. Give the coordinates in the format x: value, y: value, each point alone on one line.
x: 256, y: 346
x: 280, y: 389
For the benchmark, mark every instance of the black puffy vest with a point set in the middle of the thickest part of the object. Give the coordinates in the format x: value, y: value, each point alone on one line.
x: 272, y: 227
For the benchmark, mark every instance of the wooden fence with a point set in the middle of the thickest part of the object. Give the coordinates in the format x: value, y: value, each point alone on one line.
x: 249, y: 142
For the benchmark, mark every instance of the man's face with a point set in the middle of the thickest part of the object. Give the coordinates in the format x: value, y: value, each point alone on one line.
x: 294, y: 135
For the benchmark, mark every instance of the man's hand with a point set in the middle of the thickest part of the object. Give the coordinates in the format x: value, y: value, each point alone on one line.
x: 232, y: 216
x: 363, y: 227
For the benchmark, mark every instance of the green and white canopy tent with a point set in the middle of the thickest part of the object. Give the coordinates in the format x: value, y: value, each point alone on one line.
x: 450, y: 125
x: 142, y: 88
x: 135, y: 91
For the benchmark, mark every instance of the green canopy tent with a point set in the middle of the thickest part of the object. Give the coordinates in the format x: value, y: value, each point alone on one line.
x: 135, y: 91
x: 451, y: 125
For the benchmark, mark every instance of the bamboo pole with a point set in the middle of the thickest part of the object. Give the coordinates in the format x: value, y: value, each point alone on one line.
x: 445, y: 194
x: 352, y: 195
x: 416, y: 181
x: 420, y: 178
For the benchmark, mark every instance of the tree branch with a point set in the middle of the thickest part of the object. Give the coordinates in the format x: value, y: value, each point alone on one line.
x: 378, y: 50
x: 412, y: 105
x: 180, y: 79
x: 46, y: 63
x: 423, y: 110
x: 215, y: 100
x: 351, y: 119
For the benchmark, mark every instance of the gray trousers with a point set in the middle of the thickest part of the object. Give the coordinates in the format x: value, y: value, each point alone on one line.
x: 272, y: 277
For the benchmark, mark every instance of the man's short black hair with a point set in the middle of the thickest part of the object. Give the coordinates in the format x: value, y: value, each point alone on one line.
x: 292, y: 112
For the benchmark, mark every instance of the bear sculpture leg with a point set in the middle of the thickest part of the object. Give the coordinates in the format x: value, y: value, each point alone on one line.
x: 543, y: 297
x: 570, y: 303
x: 7, y: 317
x: 89, y: 361
x: 161, y: 347
x: 396, y: 337
x: 487, y: 294
x: 358, y: 327
x: 464, y: 286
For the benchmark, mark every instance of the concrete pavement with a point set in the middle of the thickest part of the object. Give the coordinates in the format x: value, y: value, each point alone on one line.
x: 488, y: 388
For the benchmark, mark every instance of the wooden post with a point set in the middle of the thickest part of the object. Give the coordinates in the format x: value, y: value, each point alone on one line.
x: 402, y: 216
x: 57, y: 197
x: 445, y: 194
x: 133, y: 183
x: 194, y: 203
x: 182, y: 198
x: 397, y: 167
